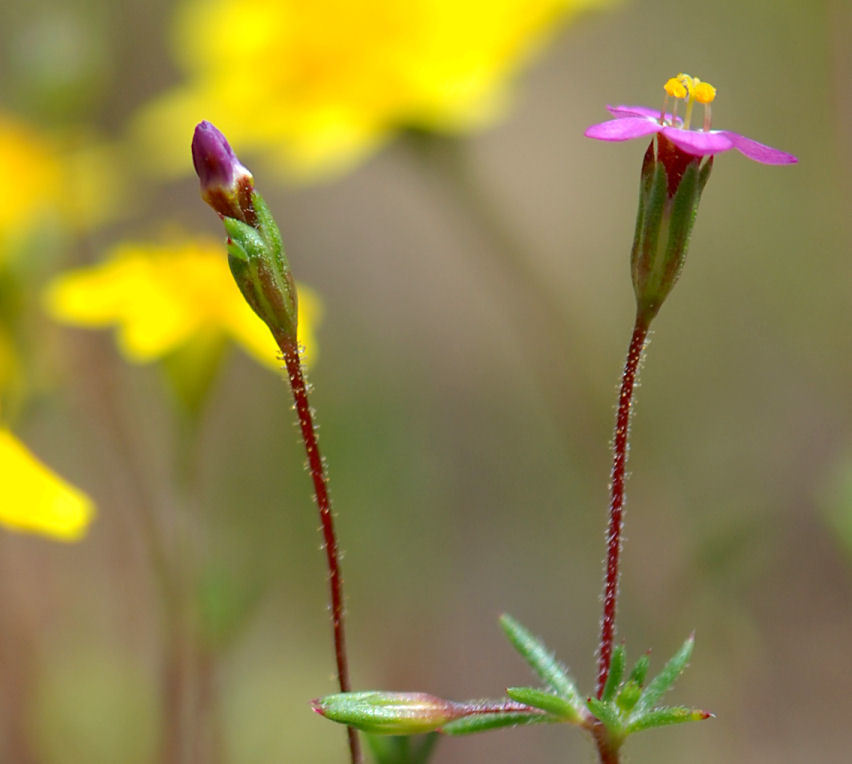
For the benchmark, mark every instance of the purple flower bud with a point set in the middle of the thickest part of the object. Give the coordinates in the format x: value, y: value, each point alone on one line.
x: 225, y: 184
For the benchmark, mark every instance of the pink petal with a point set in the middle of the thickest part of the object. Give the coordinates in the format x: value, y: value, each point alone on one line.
x: 623, y: 129
x: 698, y: 143
x: 640, y: 111
x: 758, y: 151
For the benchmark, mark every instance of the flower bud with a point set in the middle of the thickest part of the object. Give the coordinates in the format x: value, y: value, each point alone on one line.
x: 257, y: 263
x: 670, y: 190
x: 225, y: 184
x: 255, y: 251
x: 388, y: 713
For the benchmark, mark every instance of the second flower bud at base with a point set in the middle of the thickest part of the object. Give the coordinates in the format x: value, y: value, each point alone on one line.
x: 388, y: 713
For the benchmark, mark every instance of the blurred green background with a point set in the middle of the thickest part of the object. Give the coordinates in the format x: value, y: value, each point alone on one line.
x: 465, y: 426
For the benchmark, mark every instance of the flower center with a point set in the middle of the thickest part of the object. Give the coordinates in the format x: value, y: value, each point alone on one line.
x: 690, y: 89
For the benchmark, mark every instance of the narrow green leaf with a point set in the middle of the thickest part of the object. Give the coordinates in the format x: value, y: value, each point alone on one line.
x: 546, y: 701
x: 608, y: 714
x: 660, y: 717
x: 616, y: 672
x: 541, y: 660
x: 483, y: 722
x: 391, y: 749
x: 665, y: 679
x: 640, y: 670
x: 422, y: 750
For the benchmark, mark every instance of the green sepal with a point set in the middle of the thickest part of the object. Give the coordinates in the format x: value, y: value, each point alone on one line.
x: 616, y: 672
x: 665, y: 679
x: 546, y: 701
x: 669, y: 192
x: 704, y: 175
x: 470, y: 725
x: 684, y: 208
x: 392, y: 749
x: 257, y: 264
x: 661, y: 717
x: 653, y: 199
x: 541, y: 660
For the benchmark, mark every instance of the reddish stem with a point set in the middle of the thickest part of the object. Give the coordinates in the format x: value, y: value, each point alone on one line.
x: 607, y: 752
x: 616, y: 506
x: 290, y: 350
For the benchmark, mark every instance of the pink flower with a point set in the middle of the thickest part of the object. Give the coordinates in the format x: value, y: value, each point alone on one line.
x: 638, y: 121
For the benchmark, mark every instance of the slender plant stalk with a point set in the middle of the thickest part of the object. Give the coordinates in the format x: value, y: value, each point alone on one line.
x: 616, y: 505
x: 290, y: 350
x: 607, y: 753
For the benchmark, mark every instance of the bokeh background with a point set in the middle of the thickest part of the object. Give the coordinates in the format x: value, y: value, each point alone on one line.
x: 476, y: 301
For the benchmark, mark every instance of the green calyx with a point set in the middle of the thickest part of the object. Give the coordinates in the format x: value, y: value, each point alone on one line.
x: 669, y: 193
x: 260, y: 268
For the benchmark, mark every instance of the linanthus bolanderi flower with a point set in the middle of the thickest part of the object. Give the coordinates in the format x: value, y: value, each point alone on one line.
x: 316, y: 86
x: 255, y: 250
x: 35, y: 499
x: 674, y: 174
x: 161, y: 297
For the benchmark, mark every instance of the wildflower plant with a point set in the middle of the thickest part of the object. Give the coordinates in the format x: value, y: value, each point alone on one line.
x: 675, y: 171
x: 260, y: 268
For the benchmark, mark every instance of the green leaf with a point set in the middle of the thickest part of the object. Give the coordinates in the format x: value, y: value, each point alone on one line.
x: 546, y: 701
x: 483, y: 722
x: 665, y: 679
x: 391, y: 749
x: 616, y: 671
x: 660, y: 717
x: 541, y: 660
x: 640, y: 670
x: 608, y: 715
x: 628, y: 695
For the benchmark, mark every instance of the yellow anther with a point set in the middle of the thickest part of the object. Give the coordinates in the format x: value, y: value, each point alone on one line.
x: 675, y: 88
x: 704, y: 92
x: 687, y: 80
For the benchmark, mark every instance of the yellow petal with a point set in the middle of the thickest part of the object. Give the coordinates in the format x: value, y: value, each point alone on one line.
x: 159, y: 296
x: 315, y: 86
x: 37, y: 500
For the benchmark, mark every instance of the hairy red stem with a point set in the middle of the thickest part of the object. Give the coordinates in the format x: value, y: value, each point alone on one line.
x: 290, y: 350
x: 616, y: 505
x: 607, y: 752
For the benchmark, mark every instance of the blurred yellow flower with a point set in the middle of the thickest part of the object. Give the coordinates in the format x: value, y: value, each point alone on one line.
x: 32, y: 183
x: 159, y: 297
x: 37, y: 500
x: 50, y: 180
x: 317, y: 85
